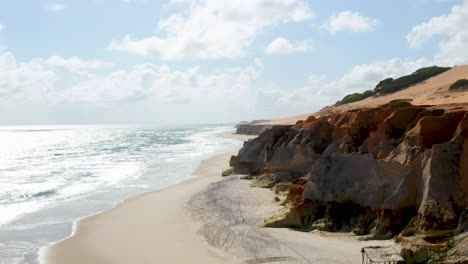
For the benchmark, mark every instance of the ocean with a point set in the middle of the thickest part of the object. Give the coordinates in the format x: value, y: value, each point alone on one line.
x: 50, y: 176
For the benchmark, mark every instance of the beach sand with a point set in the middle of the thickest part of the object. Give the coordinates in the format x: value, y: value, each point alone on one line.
x: 150, y: 228
x: 206, y: 219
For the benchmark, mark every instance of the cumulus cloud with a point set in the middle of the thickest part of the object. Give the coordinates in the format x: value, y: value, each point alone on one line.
x: 77, y: 64
x: 55, y: 7
x: 24, y: 82
x: 159, y: 84
x: 302, y: 12
x: 349, y: 21
x: 454, y: 48
x: 319, y: 92
x: 365, y: 76
x: 281, y: 45
x: 55, y: 81
x: 44, y: 81
x: 211, y: 29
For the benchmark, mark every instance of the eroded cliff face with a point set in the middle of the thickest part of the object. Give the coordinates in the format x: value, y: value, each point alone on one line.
x: 394, y: 169
x: 251, y: 129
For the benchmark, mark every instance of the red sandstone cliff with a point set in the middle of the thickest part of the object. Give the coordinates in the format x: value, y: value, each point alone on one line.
x: 377, y: 167
x: 383, y: 171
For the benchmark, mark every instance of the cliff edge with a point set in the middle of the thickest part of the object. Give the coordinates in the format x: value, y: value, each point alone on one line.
x: 382, y: 171
x: 397, y: 169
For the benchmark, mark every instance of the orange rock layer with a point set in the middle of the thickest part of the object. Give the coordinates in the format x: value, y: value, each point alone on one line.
x: 387, y: 170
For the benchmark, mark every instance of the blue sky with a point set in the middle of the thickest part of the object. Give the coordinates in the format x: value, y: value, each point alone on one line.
x: 209, y: 61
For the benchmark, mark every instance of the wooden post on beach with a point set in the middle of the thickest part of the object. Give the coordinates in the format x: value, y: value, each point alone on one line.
x: 267, y: 171
x: 363, y: 252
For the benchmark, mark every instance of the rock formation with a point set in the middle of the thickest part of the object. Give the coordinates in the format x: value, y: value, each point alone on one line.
x: 255, y: 127
x: 251, y: 129
x: 383, y: 171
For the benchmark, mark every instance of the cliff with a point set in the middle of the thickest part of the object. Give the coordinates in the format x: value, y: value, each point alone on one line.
x: 396, y: 169
x: 251, y: 129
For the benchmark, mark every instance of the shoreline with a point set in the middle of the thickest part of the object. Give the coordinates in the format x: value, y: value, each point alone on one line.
x: 203, y: 219
x: 42, y: 252
x: 52, y: 205
x: 71, y: 249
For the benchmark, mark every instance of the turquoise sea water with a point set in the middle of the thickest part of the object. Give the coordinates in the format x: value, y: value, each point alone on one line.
x: 52, y: 175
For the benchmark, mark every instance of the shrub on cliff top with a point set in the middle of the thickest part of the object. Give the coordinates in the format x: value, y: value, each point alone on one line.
x: 460, y: 84
x: 408, y: 80
x: 400, y: 102
x: 356, y: 97
x: 390, y: 85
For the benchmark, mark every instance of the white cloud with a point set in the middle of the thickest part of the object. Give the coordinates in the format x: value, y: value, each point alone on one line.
x: 1, y: 27
x: 24, y: 82
x: 211, y: 29
x: 161, y: 85
x: 45, y: 81
x: 77, y: 64
x: 53, y: 6
x: 56, y: 81
x: 452, y: 50
x: 317, y: 93
x: 366, y: 76
x: 42, y: 82
x: 349, y: 21
x: 281, y: 45
x: 302, y: 12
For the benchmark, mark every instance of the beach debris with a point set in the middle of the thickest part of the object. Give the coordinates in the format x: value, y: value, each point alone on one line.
x: 378, y: 254
x: 282, y: 187
x: 263, y: 181
x: 227, y: 172
x: 247, y: 177
x: 269, y: 260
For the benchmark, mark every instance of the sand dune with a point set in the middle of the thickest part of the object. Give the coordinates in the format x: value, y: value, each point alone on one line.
x: 434, y: 91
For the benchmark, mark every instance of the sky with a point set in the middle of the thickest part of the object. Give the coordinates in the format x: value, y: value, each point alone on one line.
x: 211, y: 61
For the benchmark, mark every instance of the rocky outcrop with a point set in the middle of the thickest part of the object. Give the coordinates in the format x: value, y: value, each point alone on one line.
x: 384, y: 171
x: 458, y: 252
x: 251, y: 129
x: 255, y: 127
x: 462, y: 223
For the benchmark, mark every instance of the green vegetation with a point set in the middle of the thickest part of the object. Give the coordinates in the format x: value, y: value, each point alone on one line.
x: 390, y: 85
x: 356, y: 97
x: 439, y: 233
x: 463, y: 83
x: 438, y: 236
x: 400, y: 102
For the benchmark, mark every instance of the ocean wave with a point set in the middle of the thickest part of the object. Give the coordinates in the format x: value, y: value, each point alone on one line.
x: 44, y: 194
x: 66, y: 163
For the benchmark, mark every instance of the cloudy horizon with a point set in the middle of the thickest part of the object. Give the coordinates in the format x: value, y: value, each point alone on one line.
x: 211, y: 61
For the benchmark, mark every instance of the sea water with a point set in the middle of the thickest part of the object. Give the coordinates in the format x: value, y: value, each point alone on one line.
x: 52, y: 175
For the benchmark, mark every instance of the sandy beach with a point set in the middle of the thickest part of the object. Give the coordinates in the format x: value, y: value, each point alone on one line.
x: 206, y: 219
x: 151, y: 228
